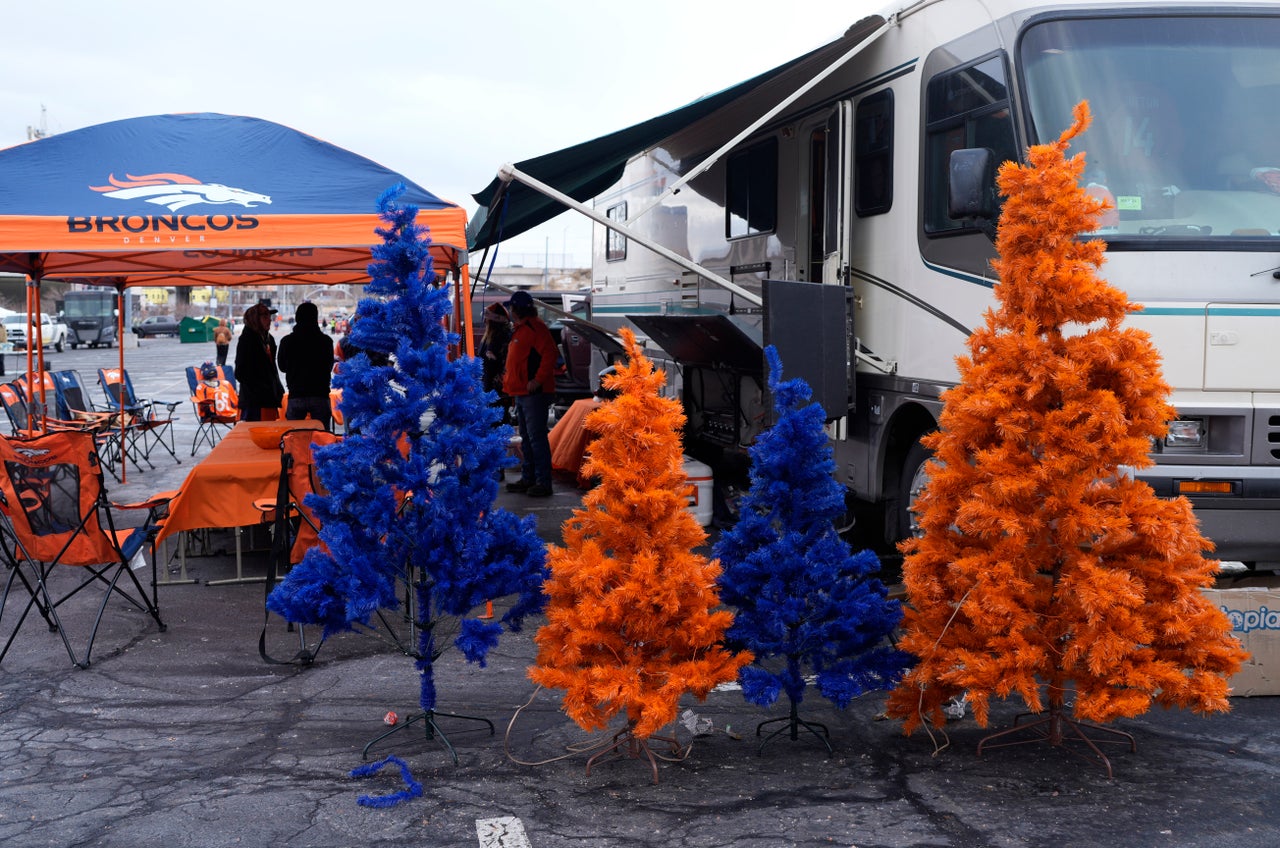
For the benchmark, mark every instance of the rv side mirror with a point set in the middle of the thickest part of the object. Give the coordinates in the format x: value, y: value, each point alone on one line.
x: 972, y: 184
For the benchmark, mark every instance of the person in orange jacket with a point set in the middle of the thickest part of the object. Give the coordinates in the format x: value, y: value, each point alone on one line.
x: 222, y: 341
x: 530, y: 380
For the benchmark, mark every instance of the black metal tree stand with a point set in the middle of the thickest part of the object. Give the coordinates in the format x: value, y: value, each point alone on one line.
x: 426, y: 656
x: 430, y: 729
x: 792, y: 726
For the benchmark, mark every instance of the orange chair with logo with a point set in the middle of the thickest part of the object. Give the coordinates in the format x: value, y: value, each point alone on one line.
x: 58, y: 522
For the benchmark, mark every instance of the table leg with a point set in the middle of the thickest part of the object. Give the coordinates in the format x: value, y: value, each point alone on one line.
x: 239, y: 578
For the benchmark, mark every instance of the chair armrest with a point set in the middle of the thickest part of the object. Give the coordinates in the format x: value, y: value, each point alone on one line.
x: 171, y: 405
x: 157, y: 507
x: 158, y: 499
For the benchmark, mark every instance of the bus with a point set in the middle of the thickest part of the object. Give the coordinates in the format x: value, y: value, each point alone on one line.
x: 810, y: 207
x: 91, y: 317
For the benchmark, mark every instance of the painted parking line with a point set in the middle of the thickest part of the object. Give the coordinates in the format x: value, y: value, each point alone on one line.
x: 501, y: 832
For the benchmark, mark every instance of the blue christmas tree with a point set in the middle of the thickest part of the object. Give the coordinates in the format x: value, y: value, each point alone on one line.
x: 805, y: 603
x: 411, y: 488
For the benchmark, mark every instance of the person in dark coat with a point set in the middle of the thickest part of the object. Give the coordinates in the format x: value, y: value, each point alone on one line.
x: 260, y: 388
x: 306, y: 358
x: 493, y: 353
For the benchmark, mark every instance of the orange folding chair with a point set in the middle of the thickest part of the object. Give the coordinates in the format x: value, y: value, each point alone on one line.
x: 57, y: 514
x: 21, y: 403
x: 296, y: 528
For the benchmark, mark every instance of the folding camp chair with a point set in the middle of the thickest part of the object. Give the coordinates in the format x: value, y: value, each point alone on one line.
x: 16, y: 410
x: 73, y: 401
x: 57, y: 514
x: 212, y: 422
x: 19, y: 406
x: 75, y: 405
x: 150, y: 421
x: 296, y: 528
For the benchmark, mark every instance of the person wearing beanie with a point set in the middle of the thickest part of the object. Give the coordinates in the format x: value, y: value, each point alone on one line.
x: 306, y: 358
x: 530, y: 379
x: 260, y: 389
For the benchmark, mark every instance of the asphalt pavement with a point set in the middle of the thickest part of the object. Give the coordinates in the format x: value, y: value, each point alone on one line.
x: 188, y: 738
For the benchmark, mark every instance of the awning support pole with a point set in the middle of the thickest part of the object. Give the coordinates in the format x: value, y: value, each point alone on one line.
x: 507, y: 173
x: 766, y: 117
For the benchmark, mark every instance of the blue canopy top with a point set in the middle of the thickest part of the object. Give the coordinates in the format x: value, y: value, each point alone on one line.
x: 65, y: 174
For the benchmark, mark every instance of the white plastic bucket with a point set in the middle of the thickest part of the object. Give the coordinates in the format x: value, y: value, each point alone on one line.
x: 700, y: 480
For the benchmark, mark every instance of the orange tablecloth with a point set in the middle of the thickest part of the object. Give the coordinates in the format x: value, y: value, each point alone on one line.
x: 220, y: 490
x: 569, y: 438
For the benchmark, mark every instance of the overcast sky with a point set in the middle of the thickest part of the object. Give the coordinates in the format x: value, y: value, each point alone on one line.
x: 443, y: 93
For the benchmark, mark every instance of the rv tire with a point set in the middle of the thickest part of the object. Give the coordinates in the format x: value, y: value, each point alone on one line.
x: 910, y: 483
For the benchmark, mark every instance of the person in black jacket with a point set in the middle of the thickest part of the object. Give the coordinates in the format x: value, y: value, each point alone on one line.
x: 493, y: 354
x: 306, y: 358
x: 260, y: 389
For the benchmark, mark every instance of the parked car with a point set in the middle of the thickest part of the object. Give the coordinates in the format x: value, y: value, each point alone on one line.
x: 156, y: 325
x: 53, y: 333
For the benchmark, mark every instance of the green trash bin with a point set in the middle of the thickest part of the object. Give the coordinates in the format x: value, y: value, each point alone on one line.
x: 196, y: 329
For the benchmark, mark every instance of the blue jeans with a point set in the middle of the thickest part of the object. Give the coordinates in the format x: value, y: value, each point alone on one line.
x: 534, y: 447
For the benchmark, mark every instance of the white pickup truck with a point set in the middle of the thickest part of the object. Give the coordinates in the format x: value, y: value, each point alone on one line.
x: 52, y: 333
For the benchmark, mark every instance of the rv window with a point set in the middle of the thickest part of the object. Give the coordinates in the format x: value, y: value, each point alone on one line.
x: 873, y: 154
x: 752, y: 190
x: 964, y: 107
x: 615, y: 242
x: 1186, y: 113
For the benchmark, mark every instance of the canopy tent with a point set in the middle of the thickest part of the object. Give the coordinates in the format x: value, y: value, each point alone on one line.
x: 203, y: 199
x: 205, y: 196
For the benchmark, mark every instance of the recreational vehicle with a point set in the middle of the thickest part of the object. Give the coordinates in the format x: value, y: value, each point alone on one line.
x: 813, y: 207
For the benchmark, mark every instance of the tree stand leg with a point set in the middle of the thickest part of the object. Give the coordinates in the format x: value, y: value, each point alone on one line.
x: 430, y: 728
x: 793, y: 725
x: 1057, y: 730
x: 626, y: 744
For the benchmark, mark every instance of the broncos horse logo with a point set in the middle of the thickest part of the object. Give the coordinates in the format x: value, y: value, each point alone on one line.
x: 176, y: 191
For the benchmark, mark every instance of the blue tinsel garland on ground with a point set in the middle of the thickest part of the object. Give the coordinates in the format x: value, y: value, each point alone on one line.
x: 411, y: 488
x: 802, y: 599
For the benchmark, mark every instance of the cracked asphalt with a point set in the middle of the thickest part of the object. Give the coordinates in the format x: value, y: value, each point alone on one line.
x: 188, y: 738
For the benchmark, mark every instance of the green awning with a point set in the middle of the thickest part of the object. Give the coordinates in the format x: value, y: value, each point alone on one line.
x: 585, y: 170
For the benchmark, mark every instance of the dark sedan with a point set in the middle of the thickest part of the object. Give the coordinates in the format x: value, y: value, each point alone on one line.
x: 156, y: 325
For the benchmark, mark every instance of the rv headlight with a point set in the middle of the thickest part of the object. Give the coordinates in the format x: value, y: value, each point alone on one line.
x: 1185, y: 433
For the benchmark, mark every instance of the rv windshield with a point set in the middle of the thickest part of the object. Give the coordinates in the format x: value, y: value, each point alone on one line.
x: 1186, y: 120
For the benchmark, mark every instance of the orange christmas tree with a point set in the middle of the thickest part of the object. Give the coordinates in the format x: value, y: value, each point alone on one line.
x: 1042, y: 564
x: 631, y: 611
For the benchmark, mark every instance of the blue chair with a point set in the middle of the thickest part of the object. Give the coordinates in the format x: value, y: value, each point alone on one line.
x: 150, y: 426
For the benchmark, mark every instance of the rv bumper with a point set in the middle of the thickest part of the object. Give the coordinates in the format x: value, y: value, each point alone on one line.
x: 1238, y: 507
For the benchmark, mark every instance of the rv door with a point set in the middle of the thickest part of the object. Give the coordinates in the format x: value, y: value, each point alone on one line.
x: 838, y: 194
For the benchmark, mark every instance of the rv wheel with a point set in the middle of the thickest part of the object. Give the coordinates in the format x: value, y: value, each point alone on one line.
x: 911, y: 483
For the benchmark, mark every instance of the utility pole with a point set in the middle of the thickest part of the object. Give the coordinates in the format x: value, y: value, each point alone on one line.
x: 41, y: 131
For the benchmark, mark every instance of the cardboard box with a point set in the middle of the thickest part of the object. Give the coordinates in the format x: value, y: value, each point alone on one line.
x: 1253, y: 606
